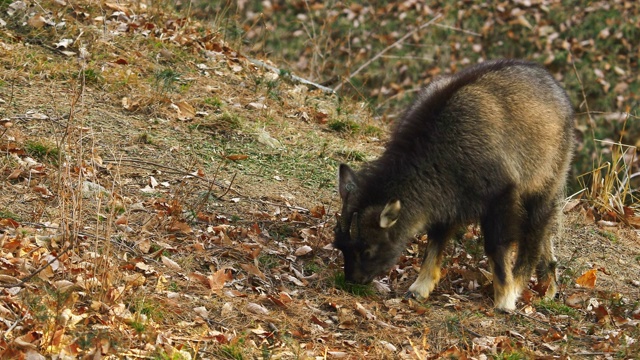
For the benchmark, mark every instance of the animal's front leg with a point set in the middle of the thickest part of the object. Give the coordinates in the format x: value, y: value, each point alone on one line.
x: 430, y: 269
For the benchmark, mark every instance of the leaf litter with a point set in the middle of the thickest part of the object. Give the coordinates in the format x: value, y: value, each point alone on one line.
x: 154, y: 271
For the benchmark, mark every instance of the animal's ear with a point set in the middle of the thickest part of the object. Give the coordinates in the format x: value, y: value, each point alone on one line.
x: 346, y: 181
x: 389, y: 214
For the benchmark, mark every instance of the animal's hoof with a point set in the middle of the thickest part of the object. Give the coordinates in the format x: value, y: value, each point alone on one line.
x: 505, y: 311
x: 415, y: 296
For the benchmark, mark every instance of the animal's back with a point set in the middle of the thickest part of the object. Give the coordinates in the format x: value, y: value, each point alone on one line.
x: 503, y: 123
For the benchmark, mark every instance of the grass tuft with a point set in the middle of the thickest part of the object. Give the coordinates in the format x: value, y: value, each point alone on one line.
x: 355, y: 289
x: 344, y: 126
x: 608, y: 187
x: 555, y: 308
x: 43, y: 152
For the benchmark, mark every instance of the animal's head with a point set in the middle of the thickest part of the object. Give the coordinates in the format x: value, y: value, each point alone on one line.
x: 363, y: 232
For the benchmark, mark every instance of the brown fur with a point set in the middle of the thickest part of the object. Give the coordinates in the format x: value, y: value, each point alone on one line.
x: 490, y: 144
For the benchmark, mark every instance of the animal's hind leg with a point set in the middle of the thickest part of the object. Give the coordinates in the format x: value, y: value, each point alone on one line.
x: 501, y: 229
x: 542, y: 223
x: 430, y: 269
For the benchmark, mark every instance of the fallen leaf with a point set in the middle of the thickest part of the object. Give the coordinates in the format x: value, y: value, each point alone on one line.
x: 43, y: 191
x: 253, y: 270
x: 337, y: 354
x: 15, y: 174
x: 227, y: 309
x: 236, y: 157
x: 63, y: 44
x: 117, y: 7
x: 202, y: 312
x: 266, y: 139
x: 144, y: 246
x: 602, y: 314
x: 303, y: 250
x: 317, y: 211
x: 218, y: 279
x: 285, y: 298
x: 362, y: 311
x: 381, y: 287
x: 9, y: 223
x: 577, y: 300
x: 171, y: 264
x: 588, y: 279
x: 135, y: 280
x: 388, y: 346
x: 130, y: 104
x: 256, y: 106
x: 180, y: 227
x: 185, y: 110
x: 257, y: 309
x: 277, y: 301
x: 37, y: 21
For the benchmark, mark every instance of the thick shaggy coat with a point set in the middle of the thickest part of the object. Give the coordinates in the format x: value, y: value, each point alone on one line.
x: 492, y: 144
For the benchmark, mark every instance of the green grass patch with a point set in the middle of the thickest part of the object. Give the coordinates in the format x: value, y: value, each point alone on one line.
x: 214, y: 102
x: 513, y: 355
x: 268, y: 261
x: 352, y: 155
x: 312, y: 268
x: 555, y: 308
x: 609, y: 235
x: 149, y: 309
x: 356, y: 289
x: 232, y: 121
x: 371, y: 130
x: 165, y: 80
x: 146, y: 138
x: 138, y: 327
x: 43, y: 152
x: 6, y: 214
x: 90, y: 76
x: 231, y: 352
x: 344, y: 126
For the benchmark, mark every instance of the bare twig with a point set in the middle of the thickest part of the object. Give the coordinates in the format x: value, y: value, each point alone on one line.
x: 469, y: 331
x: 289, y: 75
x: 378, y: 55
x: 458, y: 29
x: 537, y: 320
x: 6, y: 333
x: 229, y: 187
x: 290, y: 207
x: 171, y: 169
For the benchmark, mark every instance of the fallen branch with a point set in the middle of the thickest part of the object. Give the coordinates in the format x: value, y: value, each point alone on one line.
x: 172, y: 170
x: 378, y: 55
x: 289, y: 75
x: 458, y: 29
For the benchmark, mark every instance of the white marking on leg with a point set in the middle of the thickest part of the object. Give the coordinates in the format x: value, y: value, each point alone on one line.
x: 507, y: 300
x: 507, y: 295
x: 428, y: 277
